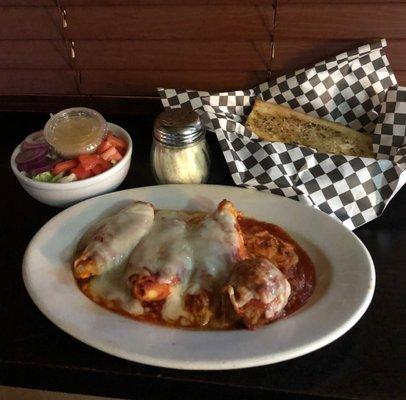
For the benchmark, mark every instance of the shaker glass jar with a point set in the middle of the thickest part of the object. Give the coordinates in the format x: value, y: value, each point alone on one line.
x: 179, y: 150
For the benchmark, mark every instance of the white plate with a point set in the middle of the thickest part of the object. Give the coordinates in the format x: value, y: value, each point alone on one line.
x: 344, y: 287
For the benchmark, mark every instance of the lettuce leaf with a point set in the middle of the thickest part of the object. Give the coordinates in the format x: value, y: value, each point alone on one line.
x: 47, y: 176
x: 44, y: 177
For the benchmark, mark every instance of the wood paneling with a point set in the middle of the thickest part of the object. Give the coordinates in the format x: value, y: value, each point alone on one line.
x: 31, y: 81
x: 27, y: 3
x: 36, y: 54
x: 30, y: 23
x: 237, y: 22
x: 144, y: 83
x: 292, y: 54
x: 159, y: 2
x: 341, y: 21
x: 209, y: 45
x: 337, y: 3
x: 172, y: 55
x: 128, y: 48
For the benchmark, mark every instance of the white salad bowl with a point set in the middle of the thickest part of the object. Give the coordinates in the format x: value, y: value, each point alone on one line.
x: 64, y: 194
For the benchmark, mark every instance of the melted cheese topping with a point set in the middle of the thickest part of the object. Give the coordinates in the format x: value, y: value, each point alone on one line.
x: 110, y: 244
x: 173, y: 309
x: 165, y: 250
x: 111, y: 286
x: 193, y: 253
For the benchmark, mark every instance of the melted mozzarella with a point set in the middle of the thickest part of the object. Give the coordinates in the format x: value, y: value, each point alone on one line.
x: 165, y: 250
x: 111, y: 286
x: 198, y: 254
x: 110, y: 244
x: 173, y: 308
x: 214, y: 249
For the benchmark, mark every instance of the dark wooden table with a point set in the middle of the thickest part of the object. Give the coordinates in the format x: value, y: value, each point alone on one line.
x: 366, y: 363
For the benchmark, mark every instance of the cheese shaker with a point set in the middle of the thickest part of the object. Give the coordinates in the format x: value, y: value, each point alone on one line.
x: 179, y: 151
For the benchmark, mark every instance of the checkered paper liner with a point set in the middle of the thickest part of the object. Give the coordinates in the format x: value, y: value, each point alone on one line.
x: 357, y: 89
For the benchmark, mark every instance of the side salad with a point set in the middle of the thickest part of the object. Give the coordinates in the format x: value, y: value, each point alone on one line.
x: 39, y: 161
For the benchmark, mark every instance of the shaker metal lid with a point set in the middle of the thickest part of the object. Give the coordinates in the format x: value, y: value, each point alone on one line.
x: 178, y: 127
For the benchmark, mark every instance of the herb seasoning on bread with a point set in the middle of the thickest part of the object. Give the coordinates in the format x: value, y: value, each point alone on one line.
x: 281, y: 124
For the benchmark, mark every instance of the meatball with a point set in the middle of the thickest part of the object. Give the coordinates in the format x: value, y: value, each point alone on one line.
x: 258, y: 291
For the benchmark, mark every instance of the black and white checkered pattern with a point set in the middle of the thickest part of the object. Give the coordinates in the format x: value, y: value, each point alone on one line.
x: 357, y: 89
x: 390, y: 131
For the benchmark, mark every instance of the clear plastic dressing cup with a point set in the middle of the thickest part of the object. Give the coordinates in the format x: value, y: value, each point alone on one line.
x: 75, y: 131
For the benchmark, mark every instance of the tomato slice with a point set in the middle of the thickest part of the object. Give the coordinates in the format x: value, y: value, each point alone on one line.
x: 97, y: 169
x: 105, y: 164
x: 101, y: 167
x: 89, y: 161
x: 64, y: 166
x: 104, y: 145
x: 118, y: 143
x: 81, y: 173
x: 111, y: 154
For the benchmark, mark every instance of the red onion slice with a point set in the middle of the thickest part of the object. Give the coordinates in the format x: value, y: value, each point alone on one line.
x: 29, y: 155
x: 28, y: 146
x: 35, y: 140
x: 32, y: 158
x: 35, y: 164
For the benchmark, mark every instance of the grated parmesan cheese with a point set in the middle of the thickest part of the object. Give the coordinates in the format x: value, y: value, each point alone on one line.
x: 181, y: 165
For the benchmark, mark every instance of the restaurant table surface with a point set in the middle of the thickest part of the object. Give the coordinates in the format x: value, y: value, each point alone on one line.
x: 368, y: 362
